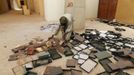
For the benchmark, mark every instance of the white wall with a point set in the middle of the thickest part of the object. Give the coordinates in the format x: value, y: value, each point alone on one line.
x: 91, y: 8
x: 54, y: 9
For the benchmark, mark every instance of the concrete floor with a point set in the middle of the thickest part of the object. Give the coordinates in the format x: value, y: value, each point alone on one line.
x: 16, y: 29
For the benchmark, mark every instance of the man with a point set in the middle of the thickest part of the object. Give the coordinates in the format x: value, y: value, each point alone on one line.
x: 63, y: 33
x: 66, y: 28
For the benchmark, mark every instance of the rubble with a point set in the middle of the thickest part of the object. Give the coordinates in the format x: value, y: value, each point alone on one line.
x: 51, y: 27
x: 36, y: 46
x: 87, y: 49
x: 112, y: 23
x: 119, y: 29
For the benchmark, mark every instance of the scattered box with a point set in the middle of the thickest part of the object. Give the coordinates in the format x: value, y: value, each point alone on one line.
x: 76, y: 72
x: 103, y: 55
x: 19, y: 70
x: 71, y: 63
x: 51, y: 70
x: 105, y: 63
x: 88, y: 65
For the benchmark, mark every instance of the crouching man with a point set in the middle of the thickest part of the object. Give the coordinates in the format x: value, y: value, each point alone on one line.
x: 65, y: 29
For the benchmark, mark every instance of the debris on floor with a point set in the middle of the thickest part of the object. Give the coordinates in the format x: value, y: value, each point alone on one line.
x: 36, y: 46
x: 52, y: 27
x: 119, y: 29
x: 52, y: 70
x: 5, y: 46
x: 87, y: 50
x: 112, y: 23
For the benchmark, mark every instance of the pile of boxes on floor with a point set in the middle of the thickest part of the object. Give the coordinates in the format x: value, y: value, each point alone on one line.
x: 37, y: 53
x: 107, y: 43
x: 50, y: 70
x: 71, y: 63
x: 36, y: 46
x: 87, y: 50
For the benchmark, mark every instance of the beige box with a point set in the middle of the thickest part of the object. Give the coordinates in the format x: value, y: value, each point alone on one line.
x: 19, y: 70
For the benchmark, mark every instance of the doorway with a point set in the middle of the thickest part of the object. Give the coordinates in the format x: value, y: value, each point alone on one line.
x: 107, y: 9
x: 23, y: 7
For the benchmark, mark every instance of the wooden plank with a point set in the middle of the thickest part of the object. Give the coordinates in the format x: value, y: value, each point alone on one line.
x: 25, y: 10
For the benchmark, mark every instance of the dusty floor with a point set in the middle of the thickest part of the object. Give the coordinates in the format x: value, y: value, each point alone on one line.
x: 18, y: 29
